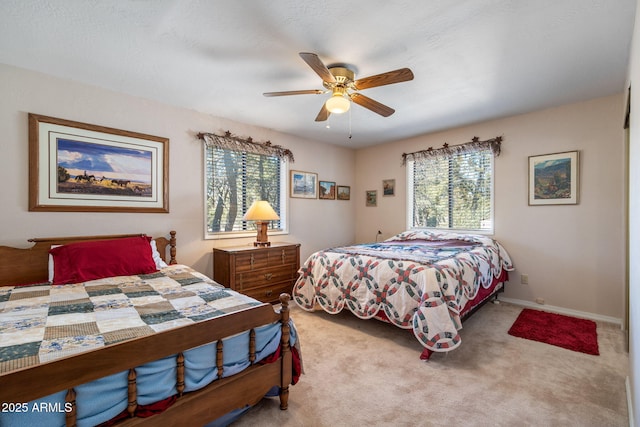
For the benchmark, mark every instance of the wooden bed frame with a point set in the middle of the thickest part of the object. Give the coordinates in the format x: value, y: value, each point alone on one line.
x: 30, y: 265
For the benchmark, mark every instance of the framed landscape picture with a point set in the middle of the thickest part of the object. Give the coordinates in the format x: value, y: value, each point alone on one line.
x: 304, y: 185
x: 81, y: 167
x: 553, y: 179
x: 327, y: 190
x: 372, y: 198
x: 344, y: 192
x: 388, y: 187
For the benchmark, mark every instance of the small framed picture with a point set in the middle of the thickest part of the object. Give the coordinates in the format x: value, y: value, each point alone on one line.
x: 327, y: 190
x: 388, y: 187
x: 304, y: 185
x: 372, y: 198
x: 344, y: 192
x: 553, y: 179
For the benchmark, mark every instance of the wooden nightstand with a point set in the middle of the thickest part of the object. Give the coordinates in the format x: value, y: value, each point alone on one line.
x: 260, y: 272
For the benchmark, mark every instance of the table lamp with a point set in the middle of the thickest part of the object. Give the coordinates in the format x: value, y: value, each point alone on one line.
x: 261, y: 212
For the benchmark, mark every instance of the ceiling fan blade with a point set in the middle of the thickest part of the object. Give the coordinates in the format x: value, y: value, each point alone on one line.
x: 375, y: 106
x: 323, y: 114
x: 295, y: 92
x: 318, y: 66
x: 390, y: 77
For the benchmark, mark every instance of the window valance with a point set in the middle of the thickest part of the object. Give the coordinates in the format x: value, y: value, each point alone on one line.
x: 448, y: 150
x: 230, y: 142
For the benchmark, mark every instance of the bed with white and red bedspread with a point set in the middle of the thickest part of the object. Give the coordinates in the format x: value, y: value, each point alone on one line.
x: 426, y: 281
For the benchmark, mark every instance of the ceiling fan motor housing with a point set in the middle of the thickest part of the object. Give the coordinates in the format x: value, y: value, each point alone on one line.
x: 344, y: 78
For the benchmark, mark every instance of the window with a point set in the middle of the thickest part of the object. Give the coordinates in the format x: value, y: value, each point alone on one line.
x: 452, y: 191
x: 234, y: 180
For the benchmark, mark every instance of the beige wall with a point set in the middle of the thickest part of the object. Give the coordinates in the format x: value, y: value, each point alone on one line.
x: 573, y: 254
x: 314, y: 223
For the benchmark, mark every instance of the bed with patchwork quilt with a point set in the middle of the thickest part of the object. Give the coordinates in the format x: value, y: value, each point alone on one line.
x: 160, y: 344
x: 421, y: 280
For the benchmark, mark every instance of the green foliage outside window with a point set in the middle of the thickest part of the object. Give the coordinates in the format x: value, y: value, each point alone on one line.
x: 453, y: 192
x: 234, y: 180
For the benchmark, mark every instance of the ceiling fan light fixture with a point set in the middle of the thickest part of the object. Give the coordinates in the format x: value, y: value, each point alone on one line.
x: 338, y: 104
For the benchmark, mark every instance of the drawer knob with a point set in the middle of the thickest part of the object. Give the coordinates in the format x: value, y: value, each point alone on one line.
x: 268, y: 276
x: 268, y: 293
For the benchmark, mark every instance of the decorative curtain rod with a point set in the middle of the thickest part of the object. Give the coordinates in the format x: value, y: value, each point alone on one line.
x: 230, y: 142
x: 448, y: 150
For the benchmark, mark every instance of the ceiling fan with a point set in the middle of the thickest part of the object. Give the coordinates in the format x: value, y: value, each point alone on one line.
x: 340, y: 81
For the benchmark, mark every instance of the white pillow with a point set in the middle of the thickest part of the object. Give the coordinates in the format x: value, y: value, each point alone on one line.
x: 51, y: 264
x: 160, y: 264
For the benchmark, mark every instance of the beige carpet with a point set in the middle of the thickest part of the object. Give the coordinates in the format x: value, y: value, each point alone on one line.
x: 368, y: 373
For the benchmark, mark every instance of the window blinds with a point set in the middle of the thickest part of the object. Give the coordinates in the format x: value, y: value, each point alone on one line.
x: 234, y: 180
x: 453, y: 191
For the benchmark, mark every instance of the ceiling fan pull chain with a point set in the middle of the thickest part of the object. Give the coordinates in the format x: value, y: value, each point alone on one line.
x: 349, y: 123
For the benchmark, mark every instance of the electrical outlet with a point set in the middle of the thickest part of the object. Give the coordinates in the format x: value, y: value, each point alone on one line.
x: 540, y: 301
x: 524, y: 279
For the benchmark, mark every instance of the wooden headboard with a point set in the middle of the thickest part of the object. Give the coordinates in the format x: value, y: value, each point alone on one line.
x: 31, y: 265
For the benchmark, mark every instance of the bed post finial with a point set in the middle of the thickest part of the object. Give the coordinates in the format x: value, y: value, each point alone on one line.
x: 284, y: 301
x: 172, y: 247
x: 286, y: 349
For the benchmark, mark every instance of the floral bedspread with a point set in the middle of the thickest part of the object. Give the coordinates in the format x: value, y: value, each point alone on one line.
x: 42, y: 322
x: 420, y: 279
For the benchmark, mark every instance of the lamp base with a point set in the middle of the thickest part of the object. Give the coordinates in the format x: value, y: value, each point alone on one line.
x: 261, y: 238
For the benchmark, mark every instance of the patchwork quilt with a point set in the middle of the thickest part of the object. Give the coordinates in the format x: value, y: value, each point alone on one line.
x: 42, y: 322
x: 421, y: 280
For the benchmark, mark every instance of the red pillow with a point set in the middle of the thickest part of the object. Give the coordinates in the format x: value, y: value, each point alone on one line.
x: 83, y: 261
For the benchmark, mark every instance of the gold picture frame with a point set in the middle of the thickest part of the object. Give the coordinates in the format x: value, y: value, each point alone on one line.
x: 344, y: 192
x: 304, y: 185
x: 554, y: 178
x: 80, y: 167
x: 371, y: 199
x: 388, y: 187
x: 327, y: 190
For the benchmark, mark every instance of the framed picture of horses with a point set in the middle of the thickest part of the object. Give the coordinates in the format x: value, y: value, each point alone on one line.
x: 81, y: 167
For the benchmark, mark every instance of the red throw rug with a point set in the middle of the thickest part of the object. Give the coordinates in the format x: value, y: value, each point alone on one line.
x: 555, y: 329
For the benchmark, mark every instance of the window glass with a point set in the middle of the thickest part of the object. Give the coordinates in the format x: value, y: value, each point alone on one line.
x: 234, y: 180
x: 452, y: 192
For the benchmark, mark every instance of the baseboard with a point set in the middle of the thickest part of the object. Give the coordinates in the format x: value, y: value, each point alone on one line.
x: 627, y: 384
x: 561, y: 310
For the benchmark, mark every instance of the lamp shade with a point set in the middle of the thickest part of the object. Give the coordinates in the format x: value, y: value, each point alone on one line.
x: 260, y: 210
x: 338, y: 104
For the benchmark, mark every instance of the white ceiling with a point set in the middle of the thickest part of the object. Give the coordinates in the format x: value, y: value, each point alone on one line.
x: 473, y: 60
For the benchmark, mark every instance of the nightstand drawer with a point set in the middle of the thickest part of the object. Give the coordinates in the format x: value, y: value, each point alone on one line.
x: 265, y: 276
x: 266, y: 258
x: 251, y: 260
x: 270, y: 293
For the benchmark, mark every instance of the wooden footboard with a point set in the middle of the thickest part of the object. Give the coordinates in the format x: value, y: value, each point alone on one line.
x: 227, y: 394
x: 220, y: 397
